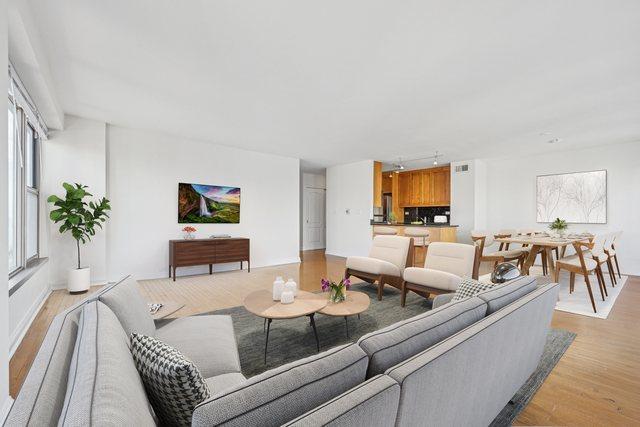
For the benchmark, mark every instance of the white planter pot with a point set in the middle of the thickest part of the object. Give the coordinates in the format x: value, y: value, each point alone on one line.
x: 79, y: 280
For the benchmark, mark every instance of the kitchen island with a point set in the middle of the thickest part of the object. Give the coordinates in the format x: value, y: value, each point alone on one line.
x: 438, y: 232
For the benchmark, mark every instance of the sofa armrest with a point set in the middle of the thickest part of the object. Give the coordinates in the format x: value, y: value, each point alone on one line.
x: 441, y: 300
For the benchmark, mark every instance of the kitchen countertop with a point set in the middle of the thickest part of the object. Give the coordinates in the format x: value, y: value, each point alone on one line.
x: 408, y: 224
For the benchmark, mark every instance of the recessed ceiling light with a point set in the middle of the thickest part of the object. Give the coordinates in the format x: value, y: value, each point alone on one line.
x: 554, y: 140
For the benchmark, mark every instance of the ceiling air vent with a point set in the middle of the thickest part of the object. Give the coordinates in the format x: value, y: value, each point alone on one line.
x: 462, y: 168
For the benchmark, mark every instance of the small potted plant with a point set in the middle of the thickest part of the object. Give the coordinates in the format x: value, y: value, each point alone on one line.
x: 337, y: 291
x: 81, y: 218
x: 558, y: 227
x: 188, y: 232
x: 392, y: 218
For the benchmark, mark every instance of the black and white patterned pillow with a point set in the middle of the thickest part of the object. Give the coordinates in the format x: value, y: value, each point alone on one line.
x: 470, y: 287
x: 173, y: 383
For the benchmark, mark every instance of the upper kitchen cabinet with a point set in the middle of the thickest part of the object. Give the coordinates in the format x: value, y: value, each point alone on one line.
x: 441, y: 189
x: 377, y: 184
x: 425, y: 187
x: 404, y: 189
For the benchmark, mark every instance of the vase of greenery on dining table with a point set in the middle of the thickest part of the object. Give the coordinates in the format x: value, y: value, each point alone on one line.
x: 559, y: 227
x: 337, y: 291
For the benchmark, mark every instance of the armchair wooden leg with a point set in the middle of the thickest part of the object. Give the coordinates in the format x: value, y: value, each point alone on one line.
x: 380, y: 286
x: 403, y: 294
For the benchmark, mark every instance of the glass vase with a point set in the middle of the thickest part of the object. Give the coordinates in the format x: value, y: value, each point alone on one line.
x: 338, y: 294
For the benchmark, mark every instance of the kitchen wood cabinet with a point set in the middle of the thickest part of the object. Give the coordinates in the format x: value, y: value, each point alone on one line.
x: 425, y: 187
x: 387, y: 186
x: 377, y: 184
x: 441, y: 191
x: 404, y: 189
x: 415, y: 198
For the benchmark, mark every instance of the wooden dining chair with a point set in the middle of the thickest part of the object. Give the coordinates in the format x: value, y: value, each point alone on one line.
x: 598, y: 255
x: 610, y: 250
x: 580, y: 264
x: 484, y: 240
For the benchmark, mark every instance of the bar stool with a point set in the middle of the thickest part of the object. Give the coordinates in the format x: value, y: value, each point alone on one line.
x: 384, y: 231
x: 420, y: 237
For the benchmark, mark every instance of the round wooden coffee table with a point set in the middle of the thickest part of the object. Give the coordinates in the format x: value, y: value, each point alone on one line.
x: 356, y: 303
x: 261, y: 304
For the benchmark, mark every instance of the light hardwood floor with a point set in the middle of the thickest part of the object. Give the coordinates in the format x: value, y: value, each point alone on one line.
x: 597, y: 382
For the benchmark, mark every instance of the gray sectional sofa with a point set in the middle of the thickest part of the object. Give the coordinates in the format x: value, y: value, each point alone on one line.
x: 458, y: 364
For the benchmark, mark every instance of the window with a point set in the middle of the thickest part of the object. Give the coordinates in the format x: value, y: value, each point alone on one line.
x: 24, y: 195
x: 31, y: 193
x: 13, y: 193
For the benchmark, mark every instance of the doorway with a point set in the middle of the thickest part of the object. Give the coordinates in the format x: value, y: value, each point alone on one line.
x: 313, y: 217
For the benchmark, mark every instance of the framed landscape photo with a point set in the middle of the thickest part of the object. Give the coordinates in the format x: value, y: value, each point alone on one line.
x: 579, y: 197
x: 199, y: 203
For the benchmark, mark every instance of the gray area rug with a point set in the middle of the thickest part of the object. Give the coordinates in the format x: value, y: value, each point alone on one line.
x: 292, y: 339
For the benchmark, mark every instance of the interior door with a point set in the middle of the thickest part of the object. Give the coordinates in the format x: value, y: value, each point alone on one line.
x: 313, y: 236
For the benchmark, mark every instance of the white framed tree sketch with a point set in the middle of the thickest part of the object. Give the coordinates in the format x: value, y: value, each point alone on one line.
x: 579, y: 197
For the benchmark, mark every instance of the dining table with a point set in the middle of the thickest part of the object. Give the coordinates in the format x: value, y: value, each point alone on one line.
x: 547, y: 244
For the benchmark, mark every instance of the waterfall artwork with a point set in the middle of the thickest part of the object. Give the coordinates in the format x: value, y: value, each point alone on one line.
x: 199, y: 203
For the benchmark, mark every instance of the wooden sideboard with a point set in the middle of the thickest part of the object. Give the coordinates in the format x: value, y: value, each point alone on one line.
x: 185, y: 253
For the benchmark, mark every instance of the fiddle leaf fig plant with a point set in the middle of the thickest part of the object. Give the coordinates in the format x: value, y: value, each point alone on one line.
x: 77, y: 215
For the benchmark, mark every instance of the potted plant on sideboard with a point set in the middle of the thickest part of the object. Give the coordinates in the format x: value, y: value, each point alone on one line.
x: 81, y: 218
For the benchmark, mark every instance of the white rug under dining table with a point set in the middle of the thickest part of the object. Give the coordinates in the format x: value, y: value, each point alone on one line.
x: 578, y: 302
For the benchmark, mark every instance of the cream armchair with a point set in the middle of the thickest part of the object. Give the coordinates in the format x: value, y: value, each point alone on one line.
x: 385, y: 264
x: 444, y: 267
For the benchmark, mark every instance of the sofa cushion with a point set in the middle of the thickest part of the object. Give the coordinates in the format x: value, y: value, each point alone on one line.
x: 506, y: 293
x: 393, y: 249
x: 281, y: 394
x: 455, y: 258
x: 173, y: 382
x: 104, y: 387
x: 208, y: 341
x: 432, y: 278
x: 372, y: 403
x: 222, y: 382
x: 372, y: 265
x: 470, y: 287
x: 393, y: 344
x: 130, y: 308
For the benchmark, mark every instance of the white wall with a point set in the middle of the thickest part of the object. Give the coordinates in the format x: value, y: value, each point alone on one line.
x: 349, y: 188
x: 25, y: 303
x: 76, y: 154
x: 511, y: 195
x: 468, y: 198
x: 4, y: 296
x: 144, y: 170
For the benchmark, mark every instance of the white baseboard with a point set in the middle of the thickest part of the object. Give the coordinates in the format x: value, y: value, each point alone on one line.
x: 25, y: 323
x: 6, y: 407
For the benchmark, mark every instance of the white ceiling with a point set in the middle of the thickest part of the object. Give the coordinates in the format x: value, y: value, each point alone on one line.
x: 337, y: 81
